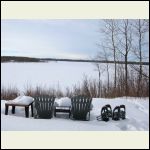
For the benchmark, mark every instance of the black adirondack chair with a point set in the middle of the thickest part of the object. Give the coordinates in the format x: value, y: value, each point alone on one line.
x: 43, y: 106
x: 80, y: 107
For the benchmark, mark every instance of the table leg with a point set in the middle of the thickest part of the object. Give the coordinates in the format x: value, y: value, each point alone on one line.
x: 27, y: 111
x: 69, y: 112
x: 32, y: 109
x: 6, y: 109
x: 13, y: 109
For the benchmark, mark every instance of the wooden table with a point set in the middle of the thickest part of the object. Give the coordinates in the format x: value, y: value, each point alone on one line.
x: 26, y: 106
x: 62, y: 109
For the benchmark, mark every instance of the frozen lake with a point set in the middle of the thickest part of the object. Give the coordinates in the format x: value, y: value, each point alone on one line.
x: 49, y: 74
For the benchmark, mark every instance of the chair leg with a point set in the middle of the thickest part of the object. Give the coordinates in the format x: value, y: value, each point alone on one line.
x: 13, y: 109
x: 89, y: 115
x: 27, y: 111
x: 32, y: 110
x: 55, y: 112
x: 69, y: 113
x: 6, y: 109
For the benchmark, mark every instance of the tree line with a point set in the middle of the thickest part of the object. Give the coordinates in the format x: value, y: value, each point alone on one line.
x: 126, y: 40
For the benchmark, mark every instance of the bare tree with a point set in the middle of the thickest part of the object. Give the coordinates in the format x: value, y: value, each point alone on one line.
x: 141, y: 28
x: 100, y: 70
x: 110, y: 32
x: 104, y: 55
x: 119, y: 39
x: 93, y: 87
x: 125, y: 46
x: 85, y: 86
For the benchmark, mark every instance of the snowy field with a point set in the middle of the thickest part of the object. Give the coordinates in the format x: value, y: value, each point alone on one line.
x: 137, y: 118
x: 49, y: 74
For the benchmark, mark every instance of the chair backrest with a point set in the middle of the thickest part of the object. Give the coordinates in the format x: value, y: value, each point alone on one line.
x: 80, y: 106
x: 44, y: 106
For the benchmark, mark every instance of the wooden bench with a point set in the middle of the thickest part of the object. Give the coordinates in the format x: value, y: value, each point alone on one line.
x: 26, y: 106
x: 62, y: 109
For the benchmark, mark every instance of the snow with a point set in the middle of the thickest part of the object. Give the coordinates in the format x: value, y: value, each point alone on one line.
x: 137, y: 117
x: 64, y: 101
x: 26, y: 100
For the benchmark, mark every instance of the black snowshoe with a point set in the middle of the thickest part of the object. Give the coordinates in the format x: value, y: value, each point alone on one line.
x: 116, y: 113
x: 122, y: 112
x: 104, y: 114
x: 109, y: 110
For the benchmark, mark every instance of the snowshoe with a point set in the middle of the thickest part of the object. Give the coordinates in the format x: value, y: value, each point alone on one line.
x: 122, y: 112
x: 104, y: 114
x: 109, y: 110
x: 116, y: 113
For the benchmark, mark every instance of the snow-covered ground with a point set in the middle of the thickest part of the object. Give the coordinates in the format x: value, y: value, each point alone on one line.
x: 66, y: 75
x: 137, y: 118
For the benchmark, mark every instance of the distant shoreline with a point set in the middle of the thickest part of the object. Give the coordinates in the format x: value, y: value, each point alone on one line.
x: 18, y: 59
x: 31, y: 59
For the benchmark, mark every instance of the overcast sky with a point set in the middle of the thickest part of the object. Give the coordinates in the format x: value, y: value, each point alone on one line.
x: 76, y: 38
x: 50, y: 38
